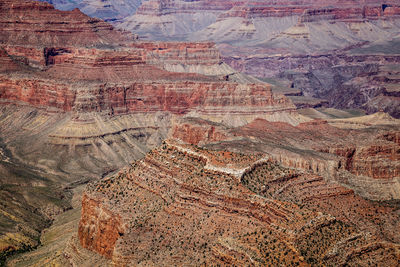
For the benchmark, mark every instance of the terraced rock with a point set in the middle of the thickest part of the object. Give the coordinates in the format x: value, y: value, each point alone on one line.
x: 186, y: 205
x: 360, y: 153
x: 79, y: 100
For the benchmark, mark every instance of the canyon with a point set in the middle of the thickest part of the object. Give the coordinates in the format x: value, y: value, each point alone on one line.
x: 117, y: 150
x: 187, y: 205
x: 341, y: 54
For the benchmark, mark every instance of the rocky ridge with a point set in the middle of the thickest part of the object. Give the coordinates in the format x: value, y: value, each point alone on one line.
x: 82, y: 110
x: 214, y: 199
x: 80, y: 100
x: 369, y: 165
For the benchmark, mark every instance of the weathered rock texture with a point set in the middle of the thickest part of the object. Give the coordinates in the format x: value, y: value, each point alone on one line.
x: 330, y: 50
x: 361, y: 156
x: 134, y: 77
x: 324, y: 48
x: 95, y: 81
x: 43, y: 25
x: 79, y: 100
x: 185, y: 205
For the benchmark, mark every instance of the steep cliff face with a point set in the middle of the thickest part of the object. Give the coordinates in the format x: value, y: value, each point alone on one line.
x: 124, y: 78
x: 99, y: 225
x: 195, y: 131
x: 378, y: 160
x: 178, y: 97
x: 52, y: 27
x: 294, y: 40
x: 79, y: 100
x: 365, y: 158
x: 183, y: 205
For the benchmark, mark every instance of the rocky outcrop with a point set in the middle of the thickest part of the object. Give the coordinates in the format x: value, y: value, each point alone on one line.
x: 194, y: 131
x: 379, y: 161
x: 53, y: 27
x: 6, y: 63
x: 99, y: 228
x: 175, y: 205
x: 365, y: 159
x: 37, y: 93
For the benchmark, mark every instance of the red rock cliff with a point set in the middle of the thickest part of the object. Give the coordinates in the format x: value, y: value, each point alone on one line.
x: 39, y: 24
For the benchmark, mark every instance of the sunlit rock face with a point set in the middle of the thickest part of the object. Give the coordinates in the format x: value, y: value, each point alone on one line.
x: 182, y: 204
x: 339, y: 51
x: 80, y: 100
x: 342, y: 52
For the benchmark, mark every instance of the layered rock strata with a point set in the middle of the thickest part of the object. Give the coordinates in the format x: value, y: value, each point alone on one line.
x: 130, y: 78
x: 184, y: 205
x: 365, y: 159
x: 296, y: 40
x: 44, y: 25
x: 79, y: 100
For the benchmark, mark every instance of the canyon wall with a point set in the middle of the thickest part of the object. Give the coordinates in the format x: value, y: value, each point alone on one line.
x: 123, y: 78
x: 79, y: 100
x: 292, y: 40
x: 365, y: 160
x: 53, y: 27
x: 186, y: 204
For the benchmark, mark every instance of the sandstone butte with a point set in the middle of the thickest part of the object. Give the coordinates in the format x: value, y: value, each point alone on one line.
x: 79, y: 98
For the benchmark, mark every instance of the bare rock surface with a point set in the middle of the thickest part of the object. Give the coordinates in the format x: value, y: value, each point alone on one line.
x: 186, y: 205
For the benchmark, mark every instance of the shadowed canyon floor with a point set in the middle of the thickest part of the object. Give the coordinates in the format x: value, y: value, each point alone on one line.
x: 128, y: 152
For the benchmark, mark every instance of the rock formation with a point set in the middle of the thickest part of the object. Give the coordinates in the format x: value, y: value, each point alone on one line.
x: 109, y: 72
x: 85, y: 100
x: 186, y: 205
x: 327, y: 49
x: 79, y: 100
x: 359, y: 155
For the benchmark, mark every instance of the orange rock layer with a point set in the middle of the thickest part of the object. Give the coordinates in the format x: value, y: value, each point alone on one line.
x: 75, y: 63
x: 186, y: 205
x: 39, y: 24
